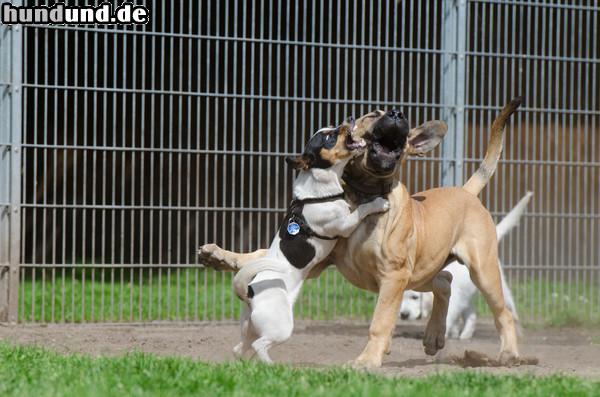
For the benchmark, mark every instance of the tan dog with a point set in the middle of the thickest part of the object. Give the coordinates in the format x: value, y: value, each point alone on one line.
x: 408, y: 246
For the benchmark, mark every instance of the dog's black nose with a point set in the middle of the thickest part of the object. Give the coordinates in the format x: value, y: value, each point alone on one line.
x: 395, y: 114
x: 404, y: 316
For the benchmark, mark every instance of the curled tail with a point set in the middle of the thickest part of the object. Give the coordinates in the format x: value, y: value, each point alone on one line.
x: 247, y: 273
x: 482, y: 176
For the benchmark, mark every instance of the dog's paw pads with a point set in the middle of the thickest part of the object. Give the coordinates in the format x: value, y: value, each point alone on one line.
x: 210, y: 256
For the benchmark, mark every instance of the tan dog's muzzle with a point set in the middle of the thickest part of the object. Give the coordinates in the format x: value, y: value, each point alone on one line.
x: 386, y: 136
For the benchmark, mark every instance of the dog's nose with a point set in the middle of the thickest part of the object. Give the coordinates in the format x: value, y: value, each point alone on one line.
x: 350, y: 119
x: 395, y: 114
x: 404, y: 316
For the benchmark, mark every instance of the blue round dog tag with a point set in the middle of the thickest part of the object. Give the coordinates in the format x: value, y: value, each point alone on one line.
x: 293, y: 228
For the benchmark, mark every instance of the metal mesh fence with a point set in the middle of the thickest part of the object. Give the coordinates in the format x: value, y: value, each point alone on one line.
x: 140, y: 143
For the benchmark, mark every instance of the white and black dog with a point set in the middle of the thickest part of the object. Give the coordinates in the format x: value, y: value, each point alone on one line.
x: 418, y: 305
x: 317, y: 216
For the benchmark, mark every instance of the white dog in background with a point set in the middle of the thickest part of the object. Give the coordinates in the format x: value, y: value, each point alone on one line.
x: 417, y: 305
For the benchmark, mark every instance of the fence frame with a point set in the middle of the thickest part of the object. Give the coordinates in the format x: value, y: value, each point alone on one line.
x: 454, y: 107
x: 11, y: 51
x: 453, y: 93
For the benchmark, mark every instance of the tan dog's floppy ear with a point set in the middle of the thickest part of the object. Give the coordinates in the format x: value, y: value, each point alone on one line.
x: 297, y: 162
x: 426, y: 136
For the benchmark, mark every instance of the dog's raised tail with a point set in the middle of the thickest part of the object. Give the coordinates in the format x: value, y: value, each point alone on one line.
x: 513, y: 217
x: 482, y: 176
x: 247, y: 273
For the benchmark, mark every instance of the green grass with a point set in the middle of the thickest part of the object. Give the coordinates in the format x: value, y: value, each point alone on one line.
x: 32, y: 371
x: 554, y: 304
x: 77, y: 295
x: 116, y: 295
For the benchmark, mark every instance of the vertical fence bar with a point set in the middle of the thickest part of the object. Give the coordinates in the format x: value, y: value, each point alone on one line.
x: 132, y: 215
x: 207, y: 145
x: 153, y: 68
x: 15, y: 194
x: 448, y: 90
x: 5, y: 168
x: 188, y: 220
x: 24, y: 190
x: 461, y: 41
x: 168, y: 124
x: 11, y: 47
x: 84, y: 175
x: 453, y: 90
x: 143, y: 200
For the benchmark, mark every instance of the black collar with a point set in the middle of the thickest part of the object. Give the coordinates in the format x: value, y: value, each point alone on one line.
x: 313, y: 200
x: 373, y: 190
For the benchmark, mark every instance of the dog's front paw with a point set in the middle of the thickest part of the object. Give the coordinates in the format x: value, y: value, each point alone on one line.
x: 386, y: 206
x: 211, y: 255
x: 359, y: 363
x: 381, y: 205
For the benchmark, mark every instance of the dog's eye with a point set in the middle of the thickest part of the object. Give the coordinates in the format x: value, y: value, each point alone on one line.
x: 415, y: 297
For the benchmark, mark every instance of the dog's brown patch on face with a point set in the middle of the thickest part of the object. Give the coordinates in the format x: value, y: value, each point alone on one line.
x: 364, y: 124
x: 340, y: 150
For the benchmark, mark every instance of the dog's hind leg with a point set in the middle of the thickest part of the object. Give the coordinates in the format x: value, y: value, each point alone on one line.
x: 260, y: 346
x: 481, y: 258
x: 434, y: 338
x: 248, y: 332
x: 509, y: 301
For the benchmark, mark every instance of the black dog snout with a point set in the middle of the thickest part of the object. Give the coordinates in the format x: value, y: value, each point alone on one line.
x: 395, y: 114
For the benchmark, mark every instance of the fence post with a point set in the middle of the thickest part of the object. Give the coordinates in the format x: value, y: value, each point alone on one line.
x: 454, y: 36
x: 11, y: 45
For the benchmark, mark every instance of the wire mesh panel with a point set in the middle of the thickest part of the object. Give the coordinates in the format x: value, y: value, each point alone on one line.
x: 141, y: 143
x: 549, y: 54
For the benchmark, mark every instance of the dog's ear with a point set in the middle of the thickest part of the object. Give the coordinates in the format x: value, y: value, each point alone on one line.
x: 297, y: 162
x: 425, y: 137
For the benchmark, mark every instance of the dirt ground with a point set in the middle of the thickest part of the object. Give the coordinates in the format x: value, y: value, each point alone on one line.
x: 321, y: 344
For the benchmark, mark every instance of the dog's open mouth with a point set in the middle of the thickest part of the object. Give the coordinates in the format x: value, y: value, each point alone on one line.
x: 353, y: 145
x: 386, y: 148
